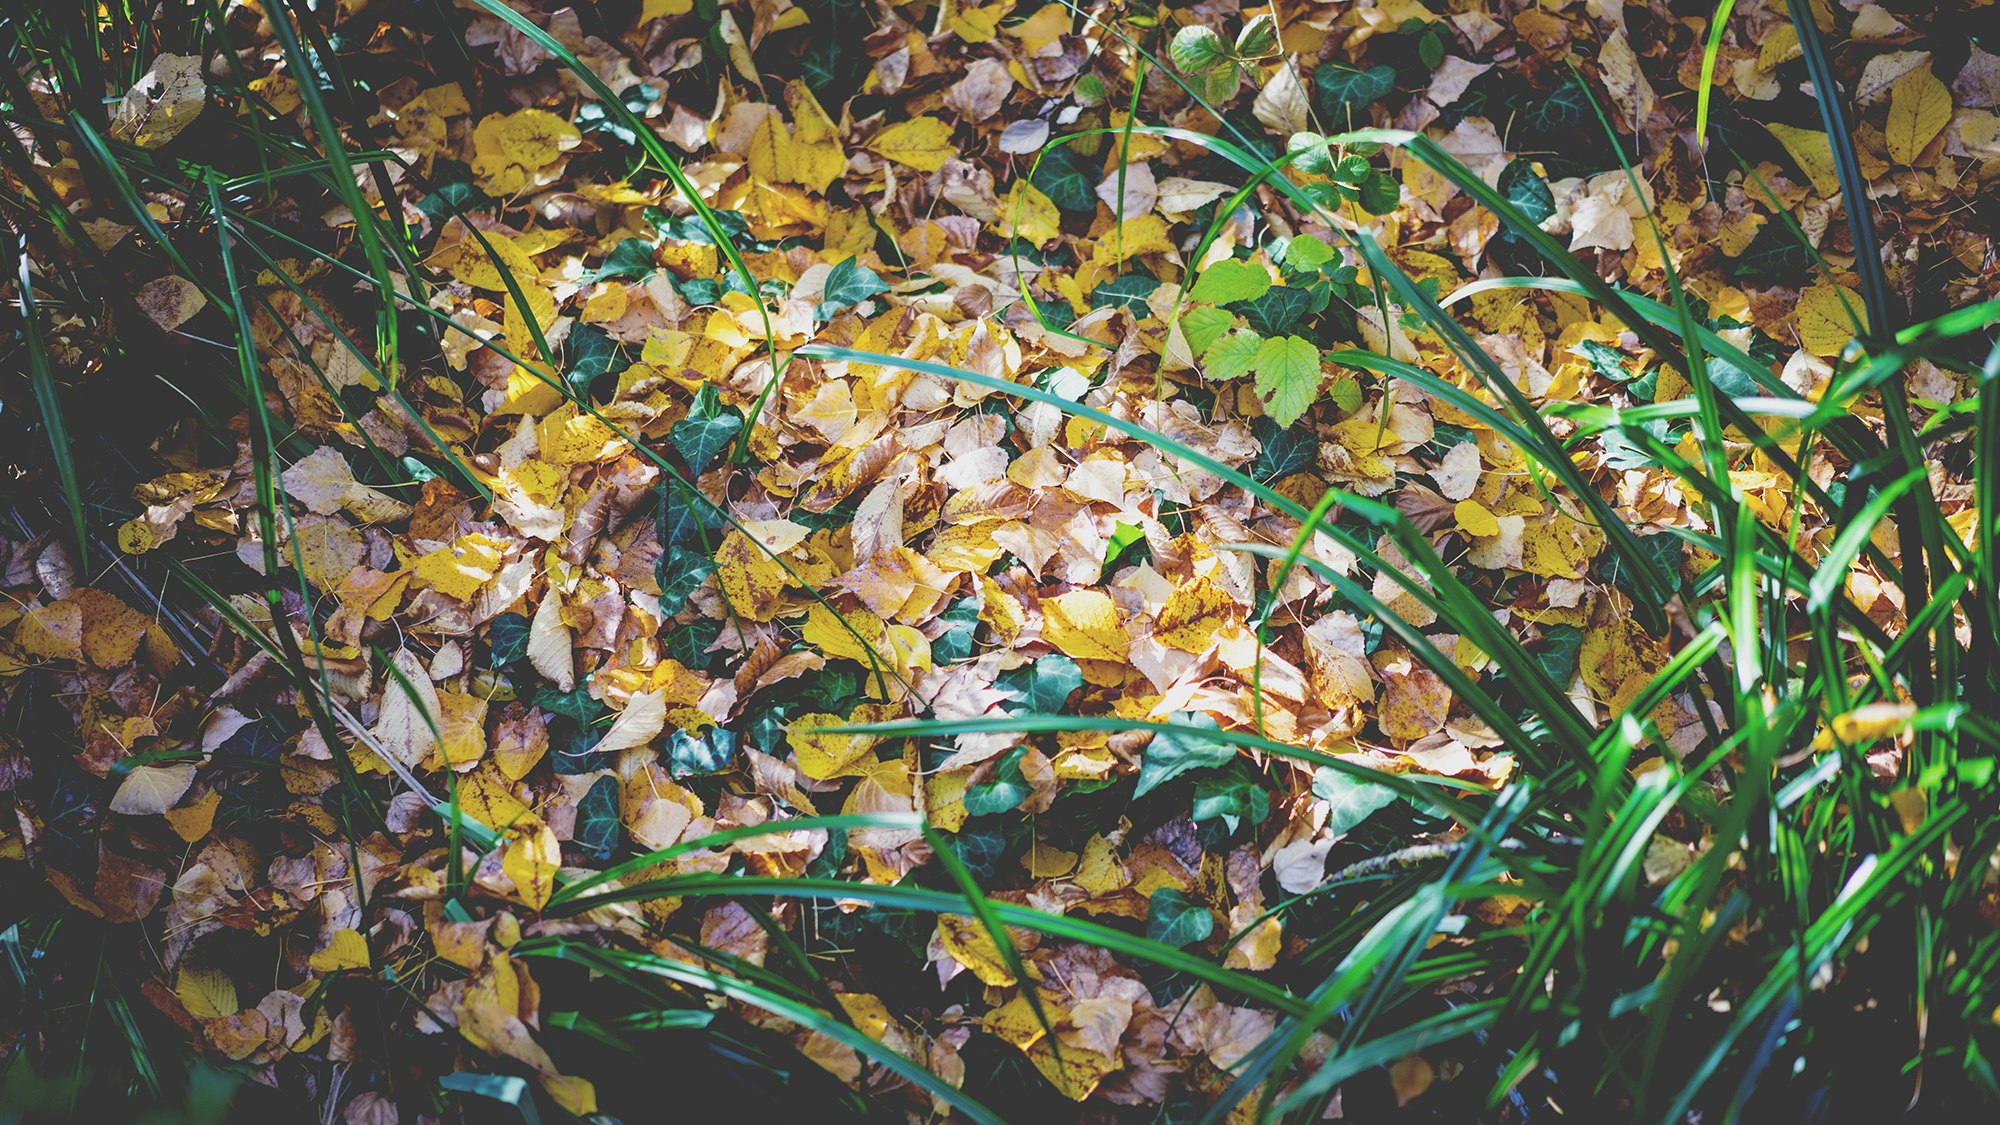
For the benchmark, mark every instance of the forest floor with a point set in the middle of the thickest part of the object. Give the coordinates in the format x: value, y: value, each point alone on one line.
x: 472, y: 526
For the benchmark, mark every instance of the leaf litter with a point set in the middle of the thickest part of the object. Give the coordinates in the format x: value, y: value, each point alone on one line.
x: 610, y: 597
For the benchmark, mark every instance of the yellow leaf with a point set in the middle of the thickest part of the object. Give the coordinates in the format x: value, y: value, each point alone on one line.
x: 1868, y: 723
x: 822, y: 756
x: 328, y: 550
x: 1560, y: 547
x: 977, y: 25
x: 1046, y: 861
x: 209, y: 994
x: 1617, y: 660
x: 1475, y: 519
x: 486, y: 797
x: 738, y: 47
x: 1146, y: 234
x: 1030, y: 214
x: 170, y: 301
x: 531, y: 859
x: 867, y: 1012
x: 770, y: 154
x: 817, y: 159
x: 165, y: 101
x: 651, y: 10
x: 1074, y: 1071
x: 1193, y: 614
x: 1100, y: 873
x: 519, y: 745
x: 510, y: 149
x: 112, y: 630
x: 462, y: 722
x: 752, y: 580
x: 460, y: 570
x: 1258, y: 949
x: 923, y: 143
x: 1809, y: 148
x: 1084, y: 624
x: 1410, y: 1076
x: 193, y: 822
x: 1049, y: 22
x: 53, y: 631
x: 571, y: 437
x: 825, y: 632
x: 347, y: 949
x: 1827, y: 316
x: 1919, y: 109
x: 972, y: 946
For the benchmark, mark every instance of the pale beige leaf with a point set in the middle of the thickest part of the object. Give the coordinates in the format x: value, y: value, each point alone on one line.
x: 162, y: 103
x: 639, y: 723
x: 406, y: 725
x: 549, y: 645
x: 151, y: 790
x: 170, y: 301
x: 1281, y: 104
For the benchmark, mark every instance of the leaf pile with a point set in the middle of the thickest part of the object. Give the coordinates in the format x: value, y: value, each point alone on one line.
x: 591, y: 553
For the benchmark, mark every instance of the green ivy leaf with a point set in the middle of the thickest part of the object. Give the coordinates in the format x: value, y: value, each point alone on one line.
x: 1174, y: 919
x: 1607, y: 361
x: 1341, y: 95
x: 632, y: 257
x: 1231, y: 799
x: 1665, y: 550
x: 957, y: 642
x: 1558, y: 654
x: 453, y: 198
x: 683, y: 517
x: 1173, y: 753
x: 1352, y: 800
x: 1285, y: 450
x: 690, y: 754
x: 1231, y: 279
x: 849, y: 284
x: 1129, y: 290
x: 1277, y: 310
x: 1528, y: 192
x: 576, y: 704
x: 1062, y: 177
x: 1564, y: 109
x: 689, y: 644
x: 1043, y: 687
x: 591, y: 352
x: 680, y: 573
x: 1004, y: 791
x: 692, y: 228
x: 597, y: 821
x: 707, y: 430
x: 508, y: 639
x: 1288, y: 377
